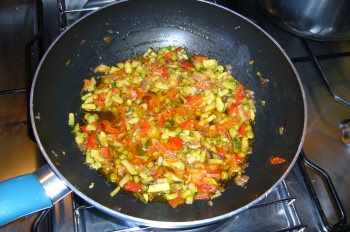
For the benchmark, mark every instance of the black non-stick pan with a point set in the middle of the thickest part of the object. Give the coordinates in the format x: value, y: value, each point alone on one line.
x: 201, y: 28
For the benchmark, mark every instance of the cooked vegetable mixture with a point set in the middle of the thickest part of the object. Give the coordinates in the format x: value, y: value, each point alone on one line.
x: 166, y: 126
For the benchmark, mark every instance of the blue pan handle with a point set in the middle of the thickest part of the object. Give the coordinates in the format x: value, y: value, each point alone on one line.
x: 27, y: 194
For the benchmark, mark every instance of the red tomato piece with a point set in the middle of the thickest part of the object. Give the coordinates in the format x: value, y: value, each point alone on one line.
x: 277, y: 160
x: 239, y: 94
x: 105, y: 152
x: 176, y: 143
x: 92, y: 141
x: 153, y: 102
x: 168, y: 55
x: 122, y: 73
x: 165, y: 74
x: 199, y: 57
x: 100, y: 101
x: 179, y: 49
x: 203, y: 85
x: 238, y: 158
x: 134, y: 93
x: 172, y: 93
x: 144, y: 125
x: 194, y: 101
x: 187, y: 65
x: 83, y: 128
x: 138, y: 161
x: 242, y: 132
x: 202, y: 195
x: 221, y: 151
x: 233, y: 109
x: 187, y: 125
x: 212, y: 132
x: 132, y: 186
x: 107, y: 125
x: 176, y: 201
x: 87, y: 84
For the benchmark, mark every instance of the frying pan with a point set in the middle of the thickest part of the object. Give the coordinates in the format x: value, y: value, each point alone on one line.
x: 201, y: 28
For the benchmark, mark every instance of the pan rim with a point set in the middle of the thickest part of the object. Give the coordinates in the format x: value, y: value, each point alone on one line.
x: 167, y: 224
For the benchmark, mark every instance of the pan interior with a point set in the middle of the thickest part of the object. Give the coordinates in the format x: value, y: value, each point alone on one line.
x: 201, y: 28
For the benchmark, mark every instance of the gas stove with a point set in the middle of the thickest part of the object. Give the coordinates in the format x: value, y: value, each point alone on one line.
x: 313, y: 197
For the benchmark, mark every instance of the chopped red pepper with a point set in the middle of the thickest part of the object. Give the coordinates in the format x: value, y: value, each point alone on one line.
x: 179, y: 49
x: 277, y: 160
x: 132, y: 186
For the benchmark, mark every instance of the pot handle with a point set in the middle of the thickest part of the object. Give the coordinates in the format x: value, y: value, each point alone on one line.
x: 27, y: 194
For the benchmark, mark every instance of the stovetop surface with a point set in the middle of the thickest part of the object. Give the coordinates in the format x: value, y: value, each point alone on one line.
x: 322, y: 144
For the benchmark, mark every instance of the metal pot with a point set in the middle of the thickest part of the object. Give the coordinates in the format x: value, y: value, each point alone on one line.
x: 318, y: 20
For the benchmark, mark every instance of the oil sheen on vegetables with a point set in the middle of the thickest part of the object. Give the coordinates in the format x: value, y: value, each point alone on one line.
x: 166, y: 126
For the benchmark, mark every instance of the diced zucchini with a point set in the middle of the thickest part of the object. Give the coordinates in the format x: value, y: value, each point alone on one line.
x: 244, y: 143
x: 115, y: 191
x: 129, y: 167
x: 233, y: 132
x: 102, y: 68
x: 88, y: 106
x: 215, y: 161
x: 145, y: 197
x: 113, y: 177
x: 90, y: 127
x: 209, y: 63
x: 220, y: 106
x: 160, y: 85
x: 79, y: 138
x: 71, y: 119
x: 84, y: 97
x: 128, y: 68
x: 229, y: 85
x: 170, y: 196
x: 123, y: 181
x: 162, y: 187
x: 89, y: 160
x: 114, y: 70
x: 134, y: 120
